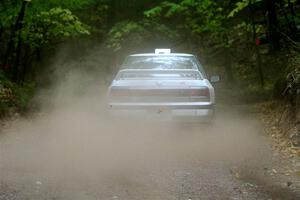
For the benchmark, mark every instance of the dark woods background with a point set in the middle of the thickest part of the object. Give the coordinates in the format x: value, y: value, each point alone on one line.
x: 253, y: 44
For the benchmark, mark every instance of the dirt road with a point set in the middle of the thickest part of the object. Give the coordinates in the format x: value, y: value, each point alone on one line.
x: 75, y: 154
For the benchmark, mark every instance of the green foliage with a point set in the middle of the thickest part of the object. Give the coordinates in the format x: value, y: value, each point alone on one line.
x: 38, y: 5
x: 197, y: 16
x: 51, y: 26
x: 293, y: 75
x: 8, y: 12
x: 14, y: 96
x: 154, y: 12
x: 200, y: 24
x: 9, y: 9
x: 221, y: 32
x: 23, y: 94
x: 160, y: 30
x: 255, y: 93
x: 122, y: 31
x: 241, y: 5
x: 97, y: 21
x: 128, y: 35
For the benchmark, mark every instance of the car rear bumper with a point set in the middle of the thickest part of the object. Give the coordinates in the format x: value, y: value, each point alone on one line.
x: 190, y: 112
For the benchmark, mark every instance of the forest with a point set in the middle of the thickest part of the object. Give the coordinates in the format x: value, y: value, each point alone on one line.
x: 253, y: 44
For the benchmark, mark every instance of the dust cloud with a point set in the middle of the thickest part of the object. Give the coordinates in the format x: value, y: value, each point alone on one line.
x: 73, y: 141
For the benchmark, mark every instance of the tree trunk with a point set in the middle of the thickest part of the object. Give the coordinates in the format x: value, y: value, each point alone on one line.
x: 287, y: 21
x: 9, y: 50
x: 293, y: 23
x: 16, y: 67
x: 1, y: 44
x: 257, y: 52
x: 24, y: 65
x: 15, y: 30
x: 272, y: 24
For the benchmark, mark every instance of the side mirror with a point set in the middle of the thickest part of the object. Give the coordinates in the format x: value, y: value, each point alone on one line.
x: 214, y: 78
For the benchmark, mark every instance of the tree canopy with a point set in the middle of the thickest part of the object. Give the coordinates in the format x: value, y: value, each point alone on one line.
x: 249, y: 42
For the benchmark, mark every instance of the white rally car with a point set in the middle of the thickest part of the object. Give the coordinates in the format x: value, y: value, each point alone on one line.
x: 162, y: 85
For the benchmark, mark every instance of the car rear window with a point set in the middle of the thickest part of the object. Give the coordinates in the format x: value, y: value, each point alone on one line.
x: 159, y: 75
x: 160, y: 62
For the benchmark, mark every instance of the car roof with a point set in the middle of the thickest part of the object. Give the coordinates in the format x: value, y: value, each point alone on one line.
x: 167, y: 54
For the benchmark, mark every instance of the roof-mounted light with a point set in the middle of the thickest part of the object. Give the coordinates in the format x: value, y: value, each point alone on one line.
x: 162, y: 51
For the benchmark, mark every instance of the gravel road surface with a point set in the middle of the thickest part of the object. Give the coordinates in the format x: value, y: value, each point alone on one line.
x: 78, y: 155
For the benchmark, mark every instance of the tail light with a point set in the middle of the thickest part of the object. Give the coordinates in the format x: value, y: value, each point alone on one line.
x: 199, y: 92
x: 194, y: 93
